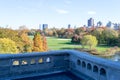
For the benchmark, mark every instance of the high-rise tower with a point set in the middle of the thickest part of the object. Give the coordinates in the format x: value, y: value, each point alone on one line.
x: 44, y: 26
x: 91, y: 22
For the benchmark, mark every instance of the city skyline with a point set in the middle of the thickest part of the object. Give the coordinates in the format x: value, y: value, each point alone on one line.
x: 15, y: 13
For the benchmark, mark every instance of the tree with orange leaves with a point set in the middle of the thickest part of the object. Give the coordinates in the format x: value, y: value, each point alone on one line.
x: 37, y: 43
x: 45, y: 48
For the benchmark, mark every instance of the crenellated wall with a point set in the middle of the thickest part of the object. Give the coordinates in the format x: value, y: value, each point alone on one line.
x: 84, y: 65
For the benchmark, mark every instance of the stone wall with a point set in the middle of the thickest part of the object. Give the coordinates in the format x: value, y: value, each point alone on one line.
x: 84, y: 65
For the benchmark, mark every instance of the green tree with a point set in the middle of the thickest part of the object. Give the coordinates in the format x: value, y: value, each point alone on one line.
x: 98, y: 33
x: 79, y: 31
x: 61, y: 32
x: 55, y: 34
x: 109, y: 36
x: 37, y: 43
x: 89, y: 40
x: 7, y: 46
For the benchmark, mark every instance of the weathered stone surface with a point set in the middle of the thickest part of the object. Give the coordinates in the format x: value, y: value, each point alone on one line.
x: 81, y: 64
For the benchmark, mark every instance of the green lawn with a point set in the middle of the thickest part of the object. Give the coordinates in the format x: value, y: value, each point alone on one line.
x: 59, y: 43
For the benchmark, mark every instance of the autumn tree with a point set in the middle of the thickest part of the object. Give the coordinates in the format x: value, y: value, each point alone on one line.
x: 45, y: 47
x: 23, y: 27
x: 55, y: 34
x: 37, y: 43
x: 79, y: 31
x: 7, y: 46
x: 13, y: 35
x: 69, y: 33
x: 50, y: 33
x: 75, y: 39
x: 61, y: 32
x: 89, y: 40
x: 31, y: 32
x: 26, y: 40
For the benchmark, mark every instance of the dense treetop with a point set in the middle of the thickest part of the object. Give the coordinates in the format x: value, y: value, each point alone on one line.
x: 19, y: 41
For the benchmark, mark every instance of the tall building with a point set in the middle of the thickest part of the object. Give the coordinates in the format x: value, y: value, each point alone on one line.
x: 116, y: 26
x: 69, y: 26
x: 75, y: 27
x: 99, y: 24
x: 44, y: 26
x: 110, y: 25
x: 91, y: 22
x: 40, y: 26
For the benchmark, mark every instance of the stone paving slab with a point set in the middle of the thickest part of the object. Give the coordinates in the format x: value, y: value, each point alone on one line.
x: 59, y: 76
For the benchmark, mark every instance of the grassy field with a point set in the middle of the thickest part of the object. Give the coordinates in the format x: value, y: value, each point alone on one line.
x: 58, y: 44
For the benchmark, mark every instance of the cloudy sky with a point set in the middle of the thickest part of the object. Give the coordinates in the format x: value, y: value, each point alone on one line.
x: 57, y: 13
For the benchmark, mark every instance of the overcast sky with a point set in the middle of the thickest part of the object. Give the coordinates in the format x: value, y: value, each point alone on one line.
x: 57, y: 13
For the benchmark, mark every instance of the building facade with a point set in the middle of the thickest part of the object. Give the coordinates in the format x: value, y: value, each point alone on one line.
x: 44, y: 26
x: 90, y: 22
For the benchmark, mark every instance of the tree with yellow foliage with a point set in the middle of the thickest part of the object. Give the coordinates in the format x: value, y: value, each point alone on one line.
x: 26, y: 40
x: 89, y: 40
x: 7, y: 46
x: 12, y: 35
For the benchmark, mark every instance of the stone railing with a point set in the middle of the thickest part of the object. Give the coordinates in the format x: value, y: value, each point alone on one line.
x: 14, y: 66
x: 95, y: 68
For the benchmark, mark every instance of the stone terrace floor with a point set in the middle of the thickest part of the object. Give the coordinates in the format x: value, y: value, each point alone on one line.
x: 59, y: 76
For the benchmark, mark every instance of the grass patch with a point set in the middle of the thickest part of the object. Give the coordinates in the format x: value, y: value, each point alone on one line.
x: 102, y: 48
x: 59, y: 44
x: 31, y: 37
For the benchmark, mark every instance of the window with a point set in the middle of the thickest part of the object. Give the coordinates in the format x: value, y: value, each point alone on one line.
x: 48, y: 60
x: 102, y: 72
x: 32, y: 61
x: 24, y: 62
x: 78, y: 62
x: 89, y: 67
x: 15, y: 63
x: 83, y: 64
x: 95, y: 69
x: 40, y: 60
